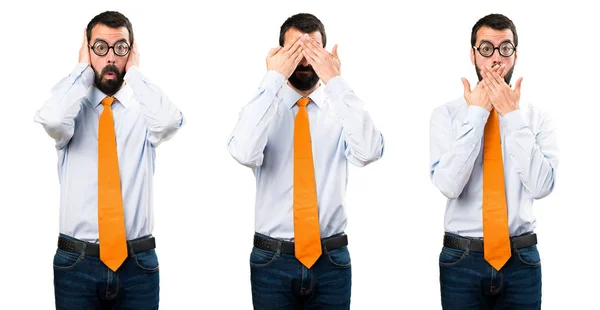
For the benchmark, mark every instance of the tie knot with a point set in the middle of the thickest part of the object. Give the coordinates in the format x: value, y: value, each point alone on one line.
x: 106, y: 102
x: 302, y: 102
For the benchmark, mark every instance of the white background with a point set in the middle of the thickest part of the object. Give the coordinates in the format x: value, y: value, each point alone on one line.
x: 402, y: 61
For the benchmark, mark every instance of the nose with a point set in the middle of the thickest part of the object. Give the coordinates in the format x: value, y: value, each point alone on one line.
x: 304, y: 62
x: 496, y: 58
x: 111, y: 58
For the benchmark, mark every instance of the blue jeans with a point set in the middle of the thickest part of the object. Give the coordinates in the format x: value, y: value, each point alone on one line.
x: 280, y: 281
x: 84, y: 282
x: 467, y: 281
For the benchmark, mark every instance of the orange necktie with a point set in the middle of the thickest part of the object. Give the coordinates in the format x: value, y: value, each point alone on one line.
x: 111, y: 220
x: 496, y: 249
x: 307, y: 235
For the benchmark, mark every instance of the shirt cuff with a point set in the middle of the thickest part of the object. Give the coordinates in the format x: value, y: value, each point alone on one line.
x: 476, y: 115
x: 512, y: 121
x: 272, y: 81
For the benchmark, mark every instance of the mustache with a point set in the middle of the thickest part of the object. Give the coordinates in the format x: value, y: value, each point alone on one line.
x: 110, y: 68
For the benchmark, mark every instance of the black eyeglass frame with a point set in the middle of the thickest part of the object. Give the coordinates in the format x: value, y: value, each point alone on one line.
x: 514, y: 48
x: 108, y: 47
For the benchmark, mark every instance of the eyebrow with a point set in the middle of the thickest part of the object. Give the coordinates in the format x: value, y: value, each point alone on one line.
x: 104, y: 40
x: 507, y: 40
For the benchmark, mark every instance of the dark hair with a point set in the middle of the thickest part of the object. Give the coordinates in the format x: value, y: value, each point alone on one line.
x: 111, y: 19
x: 497, y: 22
x: 304, y: 22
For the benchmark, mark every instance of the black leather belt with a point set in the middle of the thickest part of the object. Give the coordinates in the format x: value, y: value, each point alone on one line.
x: 93, y: 249
x: 462, y: 243
x: 287, y: 247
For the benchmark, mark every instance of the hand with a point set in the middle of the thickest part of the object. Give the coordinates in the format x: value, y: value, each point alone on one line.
x: 134, y: 57
x: 285, y: 59
x: 478, y: 97
x: 503, y: 98
x: 84, y: 51
x: 326, y: 65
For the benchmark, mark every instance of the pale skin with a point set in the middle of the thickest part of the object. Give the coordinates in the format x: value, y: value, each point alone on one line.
x: 111, y: 36
x: 492, y: 91
x: 304, y: 49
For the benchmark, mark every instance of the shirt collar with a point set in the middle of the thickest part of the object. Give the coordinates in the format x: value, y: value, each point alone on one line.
x: 290, y: 96
x: 122, y: 96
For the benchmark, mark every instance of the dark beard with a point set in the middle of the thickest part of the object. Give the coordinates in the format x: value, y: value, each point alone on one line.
x: 109, y: 86
x: 507, y: 76
x: 304, y: 81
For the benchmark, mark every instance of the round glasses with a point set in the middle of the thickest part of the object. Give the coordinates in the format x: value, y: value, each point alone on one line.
x: 101, y: 48
x: 486, y: 49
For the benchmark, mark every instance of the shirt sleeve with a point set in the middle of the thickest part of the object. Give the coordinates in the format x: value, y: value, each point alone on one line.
x: 58, y: 114
x: 534, y: 156
x: 163, y: 118
x: 364, y: 142
x: 453, y: 155
x: 249, y: 138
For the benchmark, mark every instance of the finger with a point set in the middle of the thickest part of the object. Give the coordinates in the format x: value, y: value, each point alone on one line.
x: 498, y: 69
x: 273, y: 51
x: 466, y: 86
x: 498, y: 75
x: 297, y: 57
x: 486, y: 83
x: 85, y: 39
x: 295, y: 54
x: 489, y: 86
x: 334, y: 52
x: 493, y: 76
x: 307, y: 43
x: 310, y: 58
x: 518, y: 86
x: 310, y: 50
x: 297, y: 45
x: 316, y: 47
x: 502, y: 73
x: 291, y: 44
x: 502, y: 90
x: 488, y: 80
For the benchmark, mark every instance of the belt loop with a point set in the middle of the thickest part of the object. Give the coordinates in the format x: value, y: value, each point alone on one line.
x: 278, y: 252
x: 324, y: 246
x: 468, y: 250
x: 130, y: 249
x: 513, y: 246
x: 83, y: 250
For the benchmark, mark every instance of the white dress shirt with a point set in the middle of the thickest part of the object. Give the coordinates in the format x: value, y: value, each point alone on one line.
x: 529, y: 153
x: 143, y: 116
x: 263, y: 140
